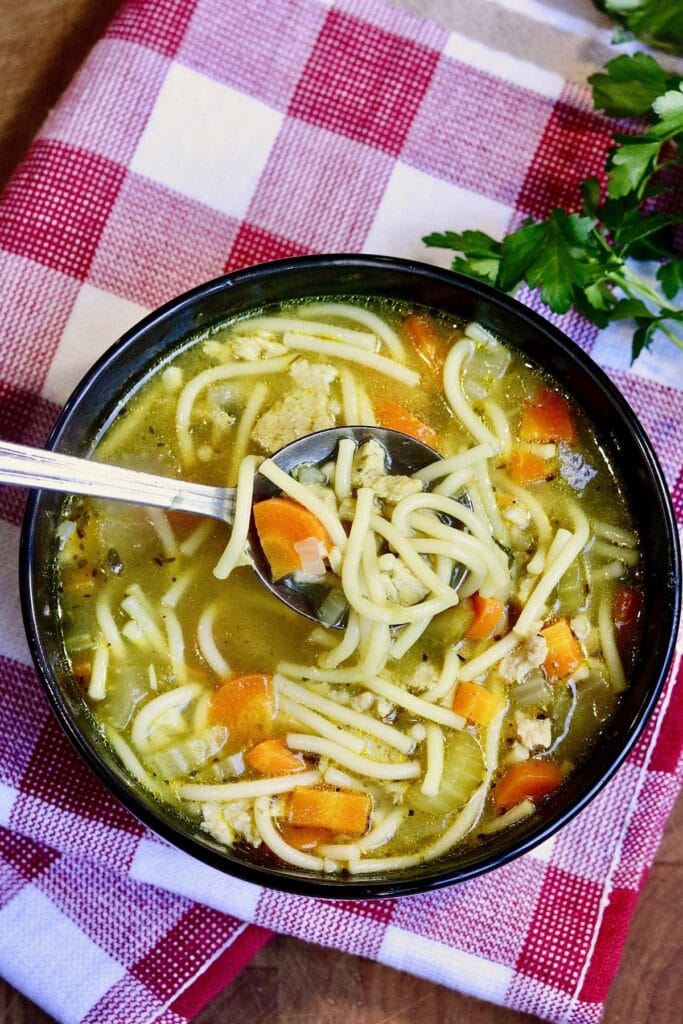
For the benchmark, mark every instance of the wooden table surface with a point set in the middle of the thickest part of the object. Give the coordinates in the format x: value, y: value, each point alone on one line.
x: 42, y: 43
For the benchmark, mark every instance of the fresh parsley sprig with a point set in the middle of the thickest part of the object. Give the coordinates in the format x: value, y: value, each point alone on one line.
x: 584, y: 260
x: 657, y: 22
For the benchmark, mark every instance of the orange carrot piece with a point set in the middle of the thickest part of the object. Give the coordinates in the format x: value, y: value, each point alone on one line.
x: 504, y: 500
x: 79, y: 582
x: 81, y: 670
x: 304, y: 838
x: 564, y: 650
x: 429, y: 346
x: 280, y: 524
x: 528, y: 468
x: 246, y: 705
x: 487, y: 612
x: 182, y: 523
x: 627, y: 609
x: 475, y: 703
x: 527, y: 780
x: 395, y: 417
x: 548, y: 418
x: 272, y: 757
x: 338, y: 810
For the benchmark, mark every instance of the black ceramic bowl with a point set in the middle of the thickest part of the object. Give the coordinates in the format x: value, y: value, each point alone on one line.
x: 108, y: 385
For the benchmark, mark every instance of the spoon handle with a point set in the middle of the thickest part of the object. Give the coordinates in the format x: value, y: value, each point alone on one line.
x: 53, y: 471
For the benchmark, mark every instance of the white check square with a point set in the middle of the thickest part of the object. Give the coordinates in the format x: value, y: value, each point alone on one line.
x: 416, y: 204
x: 97, y: 319
x: 207, y: 141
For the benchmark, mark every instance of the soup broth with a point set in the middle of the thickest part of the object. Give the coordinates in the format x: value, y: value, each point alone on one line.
x: 490, y: 603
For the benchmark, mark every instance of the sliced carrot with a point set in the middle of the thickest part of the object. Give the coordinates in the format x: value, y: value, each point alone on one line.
x: 548, y: 418
x: 564, y: 650
x: 182, y: 523
x: 81, y: 670
x: 338, y: 810
x: 627, y: 609
x: 246, y: 705
x: 281, y: 524
x: 272, y: 757
x: 528, y: 468
x: 304, y: 838
x: 527, y: 780
x: 487, y: 612
x: 395, y: 417
x: 475, y: 703
x: 79, y: 582
x: 430, y: 347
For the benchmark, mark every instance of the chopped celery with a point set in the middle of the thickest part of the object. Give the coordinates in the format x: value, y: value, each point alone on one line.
x: 572, y: 590
x: 463, y: 771
x: 183, y: 758
x: 451, y: 625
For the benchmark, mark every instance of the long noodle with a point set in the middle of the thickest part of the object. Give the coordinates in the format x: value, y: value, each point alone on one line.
x: 207, y: 644
x: 240, y: 442
x: 461, y: 351
x: 337, y: 350
x: 354, y: 762
x: 240, y: 527
x: 374, y: 323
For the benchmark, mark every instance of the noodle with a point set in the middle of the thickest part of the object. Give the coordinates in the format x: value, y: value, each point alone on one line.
x: 189, y: 394
x: 207, y: 645
x: 354, y: 762
x: 337, y: 350
x: 240, y: 527
x: 461, y: 351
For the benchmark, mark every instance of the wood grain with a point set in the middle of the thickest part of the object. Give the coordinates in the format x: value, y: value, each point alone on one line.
x: 42, y: 43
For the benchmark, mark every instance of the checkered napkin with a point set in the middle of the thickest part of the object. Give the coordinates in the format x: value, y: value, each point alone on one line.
x: 202, y: 136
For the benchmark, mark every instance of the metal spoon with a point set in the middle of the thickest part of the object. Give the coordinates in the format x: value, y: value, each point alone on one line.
x: 35, y: 467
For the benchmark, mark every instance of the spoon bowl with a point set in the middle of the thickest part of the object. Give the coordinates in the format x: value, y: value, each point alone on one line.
x: 49, y: 470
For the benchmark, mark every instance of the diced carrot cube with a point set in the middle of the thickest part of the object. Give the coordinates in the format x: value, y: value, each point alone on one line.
x: 475, y: 703
x: 528, y: 468
x: 487, y: 613
x: 428, y: 344
x: 527, y: 780
x: 338, y: 810
x: 272, y: 757
x: 548, y: 418
x: 395, y: 417
x: 304, y: 838
x: 564, y: 650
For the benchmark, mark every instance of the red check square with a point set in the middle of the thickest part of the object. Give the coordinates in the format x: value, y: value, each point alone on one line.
x: 160, y: 25
x: 363, y: 82
x: 55, y: 207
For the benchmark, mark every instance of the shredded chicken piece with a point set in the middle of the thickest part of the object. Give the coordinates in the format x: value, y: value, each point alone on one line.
x: 529, y: 655
x: 533, y: 732
x: 369, y: 464
x: 308, y: 408
x: 228, y: 821
x: 400, y: 585
x: 393, y: 488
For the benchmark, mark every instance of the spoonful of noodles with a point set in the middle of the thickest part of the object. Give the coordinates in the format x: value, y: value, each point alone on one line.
x: 310, y: 518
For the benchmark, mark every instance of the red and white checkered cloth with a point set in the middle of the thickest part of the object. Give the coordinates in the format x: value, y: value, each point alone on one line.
x: 201, y: 136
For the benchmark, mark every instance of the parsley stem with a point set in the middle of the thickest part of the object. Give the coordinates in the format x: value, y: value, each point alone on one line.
x: 630, y: 282
x: 671, y: 335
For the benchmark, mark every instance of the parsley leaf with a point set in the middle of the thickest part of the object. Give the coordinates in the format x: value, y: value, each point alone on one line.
x: 629, y: 85
x: 657, y: 22
x: 553, y: 255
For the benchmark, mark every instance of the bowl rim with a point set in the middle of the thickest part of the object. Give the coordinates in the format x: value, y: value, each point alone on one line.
x: 437, y: 874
